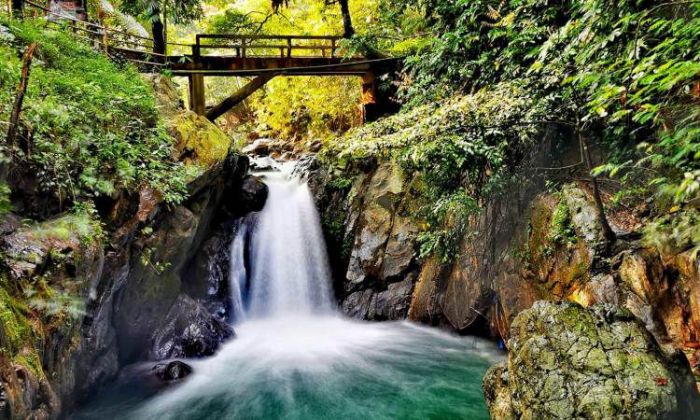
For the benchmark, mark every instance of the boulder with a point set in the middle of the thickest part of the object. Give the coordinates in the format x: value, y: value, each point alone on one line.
x: 198, y: 140
x: 264, y: 164
x: 189, y: 331
x: 172, y: 371
x: 250, y: 197
x: 260, y: 147
x: 565, y: 361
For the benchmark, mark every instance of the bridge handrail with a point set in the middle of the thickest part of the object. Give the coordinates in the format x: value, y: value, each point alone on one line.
x: 99, y: 29
x: 138, y: 48
x: 243, y: 43
x: 256, y: 36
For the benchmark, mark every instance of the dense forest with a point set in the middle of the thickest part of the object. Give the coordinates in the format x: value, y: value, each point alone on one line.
x: 535, y: 173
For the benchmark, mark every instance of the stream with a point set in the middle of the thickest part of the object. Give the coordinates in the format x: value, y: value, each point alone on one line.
x: 295, y: 356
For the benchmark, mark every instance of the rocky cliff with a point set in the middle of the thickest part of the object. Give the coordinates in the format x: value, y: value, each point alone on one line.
x: 530, y: 242
x: 84, y: 294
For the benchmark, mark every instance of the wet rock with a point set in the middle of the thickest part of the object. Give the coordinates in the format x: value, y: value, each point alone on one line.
x: 264, y: 164
x: 251, y: 196
x: 394, y: 302
x: 25, y: 394
x: 5, y: 34
x: 375, y: 225
x: 172, y: 371
x: 260, y: 147
x: 9, y: 223
x: 189, y: 331
x: 314, y: 146
x: 584, y: 218
x: 65, y: 241
x: 212, y: 263
x: 569, y: 362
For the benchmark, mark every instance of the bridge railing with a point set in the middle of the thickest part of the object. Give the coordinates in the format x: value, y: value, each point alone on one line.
x: 139, y: 49
x: 283, y: 46
x: 133, y: 47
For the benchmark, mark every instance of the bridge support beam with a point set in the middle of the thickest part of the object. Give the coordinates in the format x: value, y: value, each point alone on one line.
x: 239, y: 96
x: 197, y: 101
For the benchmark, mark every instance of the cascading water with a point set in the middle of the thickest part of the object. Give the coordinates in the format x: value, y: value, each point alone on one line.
x: 295, y: 357
x: 288, y: 268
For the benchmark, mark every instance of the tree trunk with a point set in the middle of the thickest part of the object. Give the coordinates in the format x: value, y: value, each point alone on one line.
x: 602, y: 219
x: 20, y: 92
x: 348, y: 30
x: 158, y: 33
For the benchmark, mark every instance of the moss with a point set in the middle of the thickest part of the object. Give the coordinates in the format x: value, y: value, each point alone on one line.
x: 65, y: 228
x: 15, y: 327
x: 198, y: 140
x: 29, y: 358
x: 341, y: 183
x: 18, y: 331
x: 561, y: 229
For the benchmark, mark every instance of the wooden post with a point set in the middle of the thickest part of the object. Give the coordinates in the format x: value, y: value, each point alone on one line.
x: 197, y: 101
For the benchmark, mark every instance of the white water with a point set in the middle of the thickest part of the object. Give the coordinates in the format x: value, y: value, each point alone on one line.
x: 289, y: 267
x: 295, y: 357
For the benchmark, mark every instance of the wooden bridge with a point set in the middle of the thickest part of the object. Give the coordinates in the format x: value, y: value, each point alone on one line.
x: 261, y: 57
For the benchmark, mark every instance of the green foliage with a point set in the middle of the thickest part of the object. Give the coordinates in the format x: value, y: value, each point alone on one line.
x: 448, y: 223
x: 5, y: 203
x: 290, y: 108
x: 148, y: 260
x: 624, y: 72
x: 92, y: 126
x: 674, y: 233
x: 636, y: 66
x: 313, y: 107
x: 81, y: 225
x: 180, y: 11
x: 464, y: 149
x: 17, y: 331
x: 52, y: 302
x: 15, y: 326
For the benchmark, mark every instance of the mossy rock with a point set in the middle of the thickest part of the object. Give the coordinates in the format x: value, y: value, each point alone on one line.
x: 566, y: 361
x: 199, y: 141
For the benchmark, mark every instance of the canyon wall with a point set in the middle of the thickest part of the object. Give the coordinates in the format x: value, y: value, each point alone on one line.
x: 86, y: 294
x: 530, y: 242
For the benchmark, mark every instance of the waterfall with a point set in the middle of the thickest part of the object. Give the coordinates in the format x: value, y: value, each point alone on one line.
x: 288, y: 271
x: 295, y: 358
